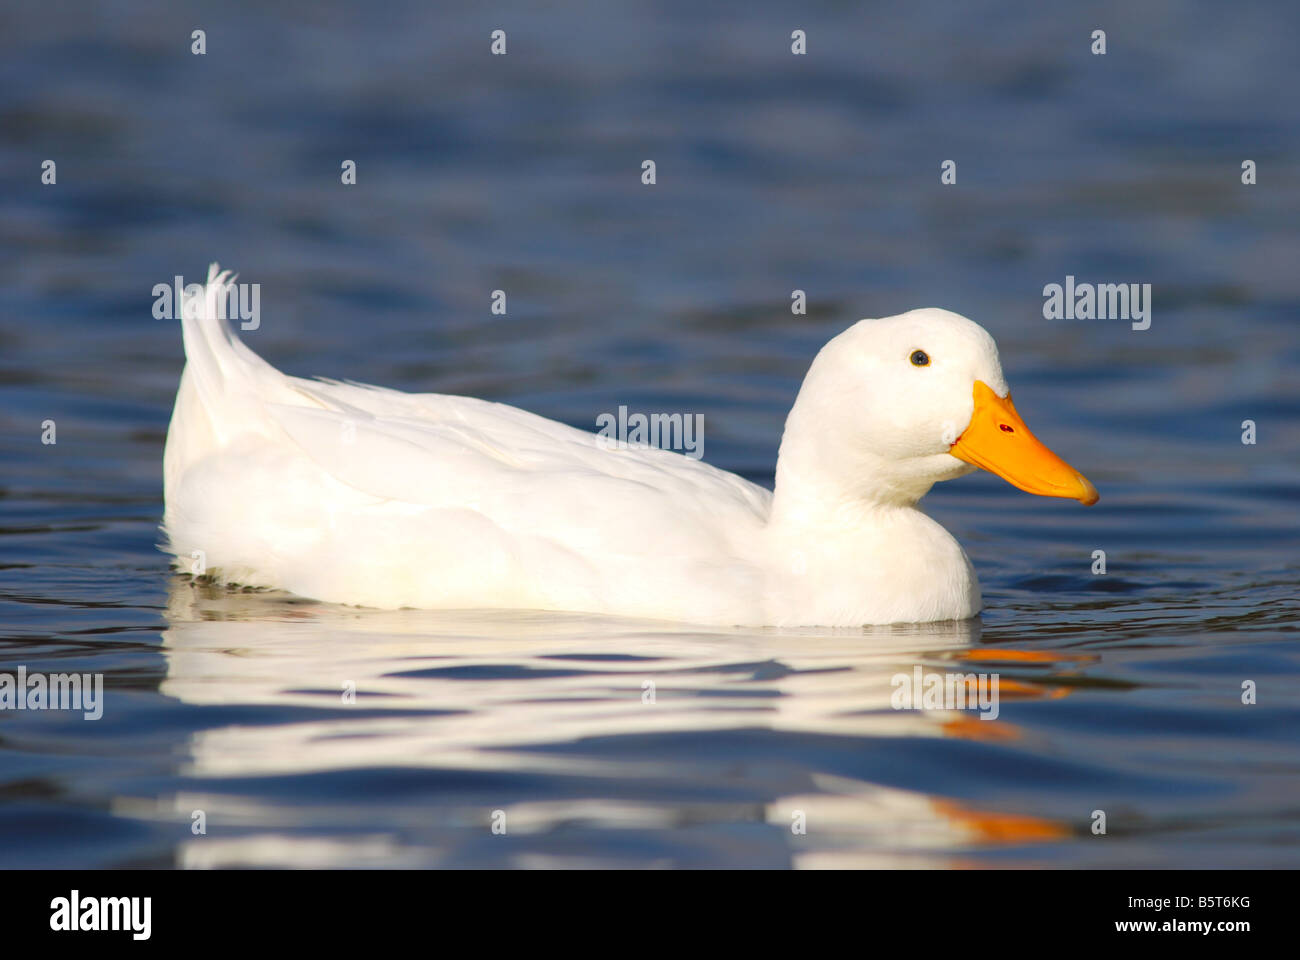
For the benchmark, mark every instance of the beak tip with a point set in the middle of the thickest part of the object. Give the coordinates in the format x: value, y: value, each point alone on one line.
x: 1088, y: 495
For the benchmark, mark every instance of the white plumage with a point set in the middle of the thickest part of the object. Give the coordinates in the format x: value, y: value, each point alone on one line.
x: 369, y: 496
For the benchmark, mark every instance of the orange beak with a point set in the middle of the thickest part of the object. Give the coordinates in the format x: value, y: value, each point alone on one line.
x: 998, y: 440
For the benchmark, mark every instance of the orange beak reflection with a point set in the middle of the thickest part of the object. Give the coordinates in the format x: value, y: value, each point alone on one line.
x: 998, y: 441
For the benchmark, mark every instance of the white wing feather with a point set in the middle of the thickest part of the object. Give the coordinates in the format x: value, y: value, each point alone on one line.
x: 368, y: 495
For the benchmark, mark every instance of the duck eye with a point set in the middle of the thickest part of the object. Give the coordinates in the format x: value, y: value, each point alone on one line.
x: 920, y: 358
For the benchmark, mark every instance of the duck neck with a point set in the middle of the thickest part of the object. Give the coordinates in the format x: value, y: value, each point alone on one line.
x: 822, y: 483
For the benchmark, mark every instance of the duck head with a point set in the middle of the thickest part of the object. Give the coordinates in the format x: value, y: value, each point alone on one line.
x: 891, y: 406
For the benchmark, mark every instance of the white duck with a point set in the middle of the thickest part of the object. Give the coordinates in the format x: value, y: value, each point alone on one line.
x: 363, y: 495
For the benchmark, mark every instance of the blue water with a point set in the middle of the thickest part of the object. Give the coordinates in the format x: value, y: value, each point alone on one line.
x: 1120, y: 692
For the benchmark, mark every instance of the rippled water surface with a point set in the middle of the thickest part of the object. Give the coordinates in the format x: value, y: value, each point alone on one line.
x: 1120, y: 692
